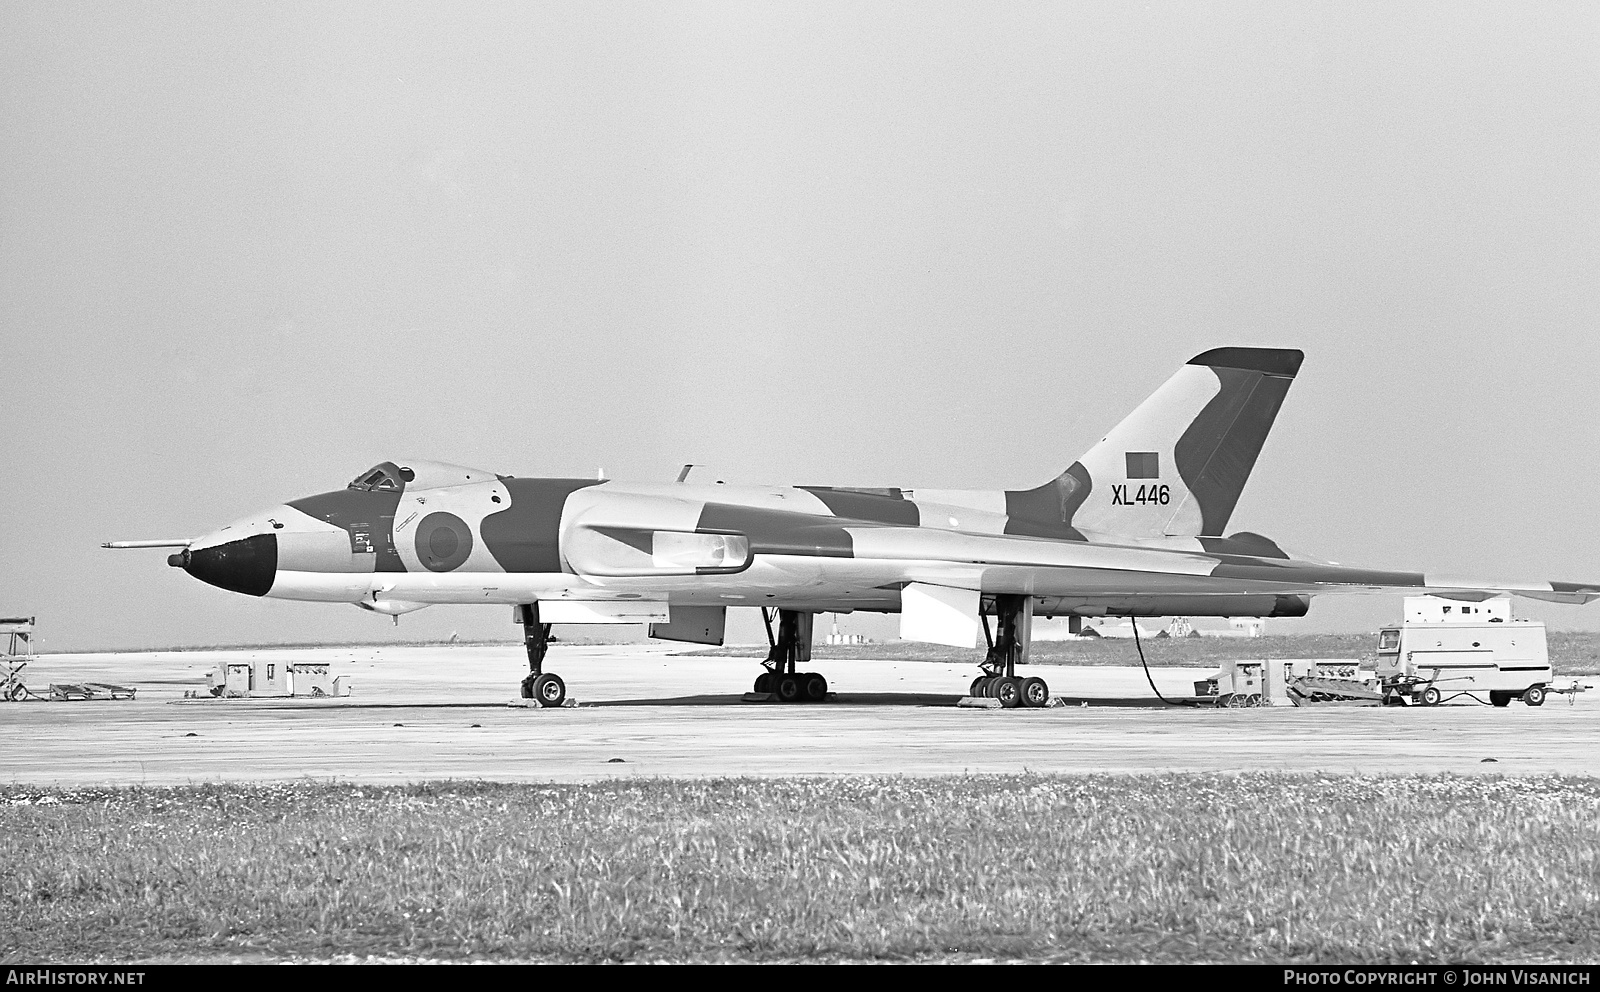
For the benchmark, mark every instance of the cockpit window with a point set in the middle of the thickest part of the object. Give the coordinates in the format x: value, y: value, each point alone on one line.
x: 381, y: 478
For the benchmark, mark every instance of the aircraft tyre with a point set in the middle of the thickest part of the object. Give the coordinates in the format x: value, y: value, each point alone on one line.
x: 764, y: 682
x: 1008, y: 691
x: 527, y: 686
x: 790, y: 688
x: 816, y: 688
x: 1431, y: 696
x: 549, y: 690
x: 979, y: 685
x: 1500, y: 698
x: 1035, y: 692
x: 1534, y: 696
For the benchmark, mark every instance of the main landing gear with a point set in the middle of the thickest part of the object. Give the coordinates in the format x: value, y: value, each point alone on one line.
x: 545, y: 688
x: 790, y: 648
x: 1014, y: 623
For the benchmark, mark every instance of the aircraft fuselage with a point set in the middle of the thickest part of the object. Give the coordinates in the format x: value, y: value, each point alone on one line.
x: 456, y: 535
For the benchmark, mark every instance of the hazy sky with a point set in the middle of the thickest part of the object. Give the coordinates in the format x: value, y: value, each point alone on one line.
x: 247, y: 250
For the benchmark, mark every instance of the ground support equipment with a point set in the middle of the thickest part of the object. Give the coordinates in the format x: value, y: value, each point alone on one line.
x: 1416, y: 690
x: 11, y: 687
x: 1307, y: 689
x: 1570, y: 691
x: 14, y: 660
x: 62, y: 692
x: 544, y: 688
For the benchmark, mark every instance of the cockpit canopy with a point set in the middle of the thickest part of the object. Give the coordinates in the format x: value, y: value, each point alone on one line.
x: 413, y: 474
x: 384, y: 477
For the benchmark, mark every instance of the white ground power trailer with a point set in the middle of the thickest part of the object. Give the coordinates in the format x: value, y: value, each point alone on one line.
x: 1443, y: 649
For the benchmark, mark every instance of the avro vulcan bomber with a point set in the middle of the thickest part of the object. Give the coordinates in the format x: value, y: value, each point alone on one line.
x: 1133, y: 528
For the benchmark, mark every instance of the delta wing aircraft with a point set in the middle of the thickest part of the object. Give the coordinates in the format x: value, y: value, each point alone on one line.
x: 1133, y: 528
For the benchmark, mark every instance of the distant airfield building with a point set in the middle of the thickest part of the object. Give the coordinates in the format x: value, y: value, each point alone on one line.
x: 1061, y: 630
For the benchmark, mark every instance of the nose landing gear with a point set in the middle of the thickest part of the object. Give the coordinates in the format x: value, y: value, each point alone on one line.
x: 545, y: 688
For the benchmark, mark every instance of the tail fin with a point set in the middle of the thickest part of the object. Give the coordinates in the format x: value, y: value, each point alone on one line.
x: 1177, y: 464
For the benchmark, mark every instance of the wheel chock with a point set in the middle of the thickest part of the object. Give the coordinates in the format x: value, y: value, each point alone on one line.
x: 533, y: 704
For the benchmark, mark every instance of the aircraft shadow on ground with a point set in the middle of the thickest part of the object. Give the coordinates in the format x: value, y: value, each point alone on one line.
x: 834, y: 699
x: 864, y: 699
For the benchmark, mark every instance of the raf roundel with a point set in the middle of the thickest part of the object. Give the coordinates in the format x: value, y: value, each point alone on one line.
x: 444, y: 541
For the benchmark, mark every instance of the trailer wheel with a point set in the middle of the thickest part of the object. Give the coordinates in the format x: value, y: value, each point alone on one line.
x: 1500, y: 698
x: 1534, y: 696
x: 1431, y: 696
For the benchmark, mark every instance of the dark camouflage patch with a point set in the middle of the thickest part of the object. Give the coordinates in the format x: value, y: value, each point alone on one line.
x: 887, y: 506
x: 1268, y: 361
x: 367, y: 516
x: 1047, y: 511
x: 1312, y: 573
x: 1217, y: 452
x: 526, y: 536
x: 1243, y: 543
x: 780, y: 532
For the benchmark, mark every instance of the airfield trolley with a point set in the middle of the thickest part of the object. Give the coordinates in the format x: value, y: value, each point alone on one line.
x: 73, y: 691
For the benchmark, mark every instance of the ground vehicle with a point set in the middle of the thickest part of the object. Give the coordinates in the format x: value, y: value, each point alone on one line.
x: 1442, y: 649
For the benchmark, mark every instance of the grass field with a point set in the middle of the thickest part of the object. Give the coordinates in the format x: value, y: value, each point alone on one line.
x: 1152, y: 868
x: 1571, y: 652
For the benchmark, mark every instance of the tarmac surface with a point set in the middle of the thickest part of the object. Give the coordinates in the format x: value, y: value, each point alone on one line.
x: 434, y: 713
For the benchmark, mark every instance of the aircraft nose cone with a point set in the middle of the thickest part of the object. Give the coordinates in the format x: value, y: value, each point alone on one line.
x: 248, y: 566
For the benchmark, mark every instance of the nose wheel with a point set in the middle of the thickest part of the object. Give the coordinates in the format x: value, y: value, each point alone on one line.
x: 545, y: 688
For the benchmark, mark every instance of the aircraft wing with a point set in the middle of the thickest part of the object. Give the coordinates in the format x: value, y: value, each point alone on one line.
x: 1009, y: 564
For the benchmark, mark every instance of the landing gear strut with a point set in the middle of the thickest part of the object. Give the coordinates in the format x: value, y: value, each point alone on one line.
x: 545, y: 688
x: 790, y: 648
x: 1014, y: 627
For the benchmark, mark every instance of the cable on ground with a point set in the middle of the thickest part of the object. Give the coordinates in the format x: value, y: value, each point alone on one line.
x: 1134, y: 622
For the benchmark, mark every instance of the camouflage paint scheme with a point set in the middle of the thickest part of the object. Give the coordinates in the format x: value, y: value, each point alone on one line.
x: 1134, y: 527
